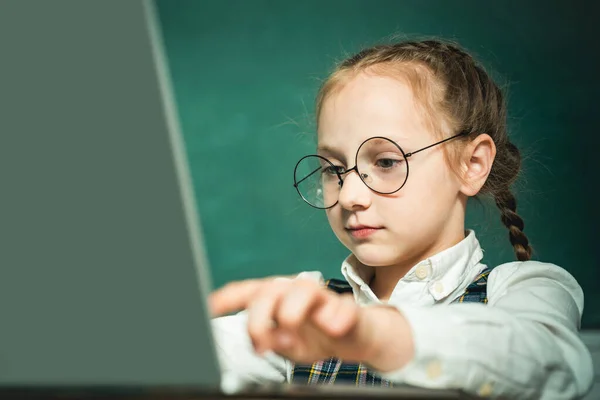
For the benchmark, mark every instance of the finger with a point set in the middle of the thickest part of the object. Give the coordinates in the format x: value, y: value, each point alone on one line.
x: 233, y: 297
x: 328, y: 311
x: 337, y: 318
x: 299, y: 345
x: 295, y: 307
x: 261, y: 312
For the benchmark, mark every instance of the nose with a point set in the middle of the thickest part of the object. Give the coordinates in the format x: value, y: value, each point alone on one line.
x: 354, y: 194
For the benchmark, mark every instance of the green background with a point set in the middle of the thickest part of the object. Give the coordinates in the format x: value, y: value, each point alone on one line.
x: 245, y: 75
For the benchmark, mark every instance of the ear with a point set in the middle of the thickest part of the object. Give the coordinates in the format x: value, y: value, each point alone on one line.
x: 477, y: 159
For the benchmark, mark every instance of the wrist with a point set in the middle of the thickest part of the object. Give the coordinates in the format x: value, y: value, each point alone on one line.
x: 390, y: 343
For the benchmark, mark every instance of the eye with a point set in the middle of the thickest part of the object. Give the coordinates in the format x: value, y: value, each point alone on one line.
x: 333, y: 170
x: 387, y: 163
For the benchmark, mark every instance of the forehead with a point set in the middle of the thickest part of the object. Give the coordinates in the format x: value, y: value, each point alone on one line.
x: 370, y: 105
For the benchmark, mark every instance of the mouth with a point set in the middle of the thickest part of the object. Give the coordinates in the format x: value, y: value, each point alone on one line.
x: 362, y: 231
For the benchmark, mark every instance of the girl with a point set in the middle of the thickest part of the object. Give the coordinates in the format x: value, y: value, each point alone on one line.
x: 406, y: 134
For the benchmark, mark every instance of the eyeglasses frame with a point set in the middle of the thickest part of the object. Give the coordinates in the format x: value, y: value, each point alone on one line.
x: 355, y: 168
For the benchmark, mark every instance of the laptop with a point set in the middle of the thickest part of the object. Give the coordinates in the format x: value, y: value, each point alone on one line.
x: 103, y: 276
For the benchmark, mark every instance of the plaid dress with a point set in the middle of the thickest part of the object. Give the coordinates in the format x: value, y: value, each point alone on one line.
x: 333, y: 370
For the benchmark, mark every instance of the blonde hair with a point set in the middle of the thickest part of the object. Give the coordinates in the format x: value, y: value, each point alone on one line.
x: 447, y: 81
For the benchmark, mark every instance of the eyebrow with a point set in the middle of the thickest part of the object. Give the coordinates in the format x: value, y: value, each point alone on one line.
x: 327, y: 149
x: 337, y: 153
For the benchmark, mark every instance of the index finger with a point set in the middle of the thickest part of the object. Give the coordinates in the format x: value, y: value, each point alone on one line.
x: 233, y: 297
x: 236, y: 296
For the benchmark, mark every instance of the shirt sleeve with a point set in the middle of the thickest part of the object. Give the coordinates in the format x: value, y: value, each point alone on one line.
x: 523, y: 344
x: 238, y: 361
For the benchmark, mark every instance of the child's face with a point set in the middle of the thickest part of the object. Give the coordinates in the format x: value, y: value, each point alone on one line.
x: 427, y: 214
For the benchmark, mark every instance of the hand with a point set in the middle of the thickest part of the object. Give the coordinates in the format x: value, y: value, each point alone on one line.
x: 298, y: 318
x: 305, y: 322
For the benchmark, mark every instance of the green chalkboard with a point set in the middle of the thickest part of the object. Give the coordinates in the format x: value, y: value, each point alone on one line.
x: 245, y: 75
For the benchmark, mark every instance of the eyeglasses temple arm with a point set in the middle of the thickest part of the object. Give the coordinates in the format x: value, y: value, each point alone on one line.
x: 435, y: 144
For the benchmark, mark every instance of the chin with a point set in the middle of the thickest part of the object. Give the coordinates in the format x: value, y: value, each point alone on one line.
x: 375, y: 255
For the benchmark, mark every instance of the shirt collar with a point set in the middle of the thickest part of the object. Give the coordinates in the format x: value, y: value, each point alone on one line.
x: 442, y: 274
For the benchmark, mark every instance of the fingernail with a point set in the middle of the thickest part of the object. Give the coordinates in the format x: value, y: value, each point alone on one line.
x: 335, y: 323
x: 284, y: 340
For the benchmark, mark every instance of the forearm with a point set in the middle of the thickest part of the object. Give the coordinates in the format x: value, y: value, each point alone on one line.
x: 485, y: 351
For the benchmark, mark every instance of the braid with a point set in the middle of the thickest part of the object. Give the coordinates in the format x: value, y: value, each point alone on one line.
x: 507, y: 204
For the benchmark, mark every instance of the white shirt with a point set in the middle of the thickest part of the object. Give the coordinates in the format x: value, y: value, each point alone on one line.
x: 523, y: 344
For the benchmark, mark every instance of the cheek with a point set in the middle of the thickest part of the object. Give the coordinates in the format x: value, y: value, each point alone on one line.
x: 432, y: 177
x: 334, y: 216
x: 428, y: 194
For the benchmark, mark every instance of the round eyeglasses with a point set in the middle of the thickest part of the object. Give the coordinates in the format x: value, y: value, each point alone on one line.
x: 380, y: 163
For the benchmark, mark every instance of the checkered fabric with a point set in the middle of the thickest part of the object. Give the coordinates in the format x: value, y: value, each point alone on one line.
x: 333, y: 370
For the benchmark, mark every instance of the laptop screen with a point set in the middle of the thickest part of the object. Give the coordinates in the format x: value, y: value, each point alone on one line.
x: 103, y: 277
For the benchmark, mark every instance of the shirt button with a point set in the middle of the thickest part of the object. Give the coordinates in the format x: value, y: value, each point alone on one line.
x: 421, y: 272
x: 434, y: 369
x: 438, y: 287
x: 485, y: 390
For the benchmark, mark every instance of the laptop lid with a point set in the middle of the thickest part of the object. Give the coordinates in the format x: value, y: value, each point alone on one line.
x: 103, y: 277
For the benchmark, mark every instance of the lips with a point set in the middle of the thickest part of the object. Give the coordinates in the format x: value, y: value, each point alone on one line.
x: 362, y: 231
x: 358, y: 227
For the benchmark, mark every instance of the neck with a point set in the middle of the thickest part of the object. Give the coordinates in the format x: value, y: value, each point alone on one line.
x: 385, y: 279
